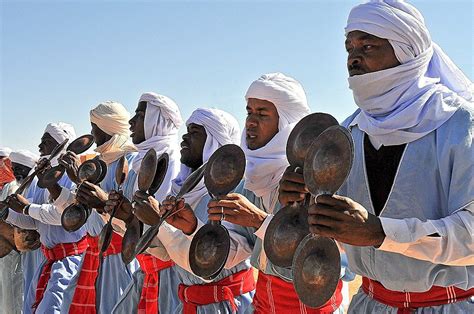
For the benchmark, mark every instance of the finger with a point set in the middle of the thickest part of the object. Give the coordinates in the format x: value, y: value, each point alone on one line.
x: 220, y: 211
x: 292, y: 197
x: 222, y: 203
x: 318, y: 220
x: 328, y: 211
x: 181, y: 203
x: 215, y: 217
x: 322, y: 231
x: 88, y: 185
x: 335, y: 201
x: 289, y: 186
x: 293, y: 177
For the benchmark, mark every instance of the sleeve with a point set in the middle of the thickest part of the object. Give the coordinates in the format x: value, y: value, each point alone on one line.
x: 51, y: 213
x: 411, y: 237
x: 20, y: 220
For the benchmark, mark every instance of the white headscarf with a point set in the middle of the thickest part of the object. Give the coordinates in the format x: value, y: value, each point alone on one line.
x: 162, y: 122
x: 24, y: 157
x: 402, y: 104
x: 5, y: 151
x: 112, y: 118
x: 61, y: 131
x: 221, y: 129
x: 266, y: 165
x: 285, y: 93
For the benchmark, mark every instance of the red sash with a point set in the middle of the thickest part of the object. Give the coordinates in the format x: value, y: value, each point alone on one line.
x: 84, y: 294
x: 151, y: 266
x: 215, y: 292
x: 274, y: 295
x: 57, y: 253
x: 406, y: 302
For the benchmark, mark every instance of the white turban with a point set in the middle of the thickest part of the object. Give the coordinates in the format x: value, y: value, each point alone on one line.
x: 285, y: 93
x: 404, y: 103
x: 161, y: 125
x: 221, y: 129
x: 24, y: 157
x: 5, y: 151
x: 61, y: 131
x: 112, y: 118
x: 162, y: 115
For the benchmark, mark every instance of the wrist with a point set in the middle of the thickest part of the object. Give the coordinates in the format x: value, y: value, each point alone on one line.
x: 26, y: 209
x: 261, y: 216
x: 192, y: 228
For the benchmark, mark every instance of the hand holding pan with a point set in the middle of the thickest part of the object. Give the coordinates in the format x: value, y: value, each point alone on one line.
x: 191, y: 181
x: 53, y: 175
x: 105, y: 236
x: 151, y: 175
x: 290, y: 224
x: 27, y: 181
x: 75, y: 215
x: 317, y: 263
x: 211, y: 244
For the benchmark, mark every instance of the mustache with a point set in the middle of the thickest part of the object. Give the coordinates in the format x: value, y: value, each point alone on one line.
x: 354, y: 67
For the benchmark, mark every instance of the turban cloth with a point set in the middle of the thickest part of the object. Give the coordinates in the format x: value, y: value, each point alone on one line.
x: 285, y: 93
x: 402, y: 104
x: 5, y: 151
x: 25, y: 158
x: 221, y: 129
x: 112, y: 118
x: 266, y: 165
x: 61, y: 131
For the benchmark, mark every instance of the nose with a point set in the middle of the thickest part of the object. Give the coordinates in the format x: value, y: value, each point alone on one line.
x: 185, y: 136
x: 131, y: 122
x: 354, y: 58
x: 251, y: 121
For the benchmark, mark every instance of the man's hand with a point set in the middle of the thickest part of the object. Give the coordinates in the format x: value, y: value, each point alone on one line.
x: 292, y: 187
x: 71, y: 162
x: 146, y: 208
x: 124, y: 212
x: 345, y: 220
x: 92, y: 196
x: 184, y: 219
x: 236, y: 209
x: 17, y: 202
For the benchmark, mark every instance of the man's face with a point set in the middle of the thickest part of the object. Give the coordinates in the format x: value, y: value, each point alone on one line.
x: 137, y: 124
x: 192, y: 146
x: 48, y: 143
x: 261, y: 124
x: 20, y: 171
x: 368, y: 53
x: 100, y: 137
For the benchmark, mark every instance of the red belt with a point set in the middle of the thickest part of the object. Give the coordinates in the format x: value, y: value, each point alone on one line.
x: 406, y: 302
x: 151, y: 266
x: 274, y: 295
x: 84, y: 294
x: 215, y: 292
x: 57, y: 253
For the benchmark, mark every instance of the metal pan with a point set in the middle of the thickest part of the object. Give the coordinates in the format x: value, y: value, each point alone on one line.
x: 211, y: 244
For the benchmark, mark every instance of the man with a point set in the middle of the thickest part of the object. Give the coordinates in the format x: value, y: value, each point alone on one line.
x: 63, y: 250
x: 109, y: 122
x: 405, y: 214
x: 275, y: 103
x: 232, y: 290
x: 155, y: 125
x: 17, y: 240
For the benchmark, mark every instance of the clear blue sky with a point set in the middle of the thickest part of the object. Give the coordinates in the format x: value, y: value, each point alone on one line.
x: 59, y: 59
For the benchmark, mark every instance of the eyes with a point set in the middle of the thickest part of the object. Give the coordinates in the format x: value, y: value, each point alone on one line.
x: 365, y: 48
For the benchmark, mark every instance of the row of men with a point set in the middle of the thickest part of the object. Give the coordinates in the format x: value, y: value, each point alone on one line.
x: 404, y: 216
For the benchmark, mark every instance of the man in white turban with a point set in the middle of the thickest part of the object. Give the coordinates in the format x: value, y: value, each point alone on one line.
x: 275, y: 103
x: 232, y: 290
x: 109, y: 122
x: 155, y: 126
x: 14, y: 239
x: 407, y: 211
x: 6, y: 172
x: 59, y: 258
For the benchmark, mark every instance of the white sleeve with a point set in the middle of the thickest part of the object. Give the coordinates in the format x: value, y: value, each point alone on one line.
x: 240, y: 249
x: 45, y: 213
x: 177, y: 243
x: 20, y: 220
x: 451, y: 241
